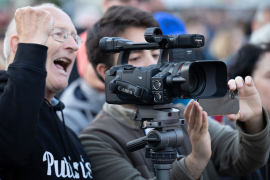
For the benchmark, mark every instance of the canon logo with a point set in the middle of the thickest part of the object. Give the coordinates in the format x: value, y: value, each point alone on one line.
x: 124, y: 90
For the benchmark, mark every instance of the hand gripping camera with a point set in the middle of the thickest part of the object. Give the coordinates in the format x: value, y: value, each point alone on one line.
x: 181, y: 76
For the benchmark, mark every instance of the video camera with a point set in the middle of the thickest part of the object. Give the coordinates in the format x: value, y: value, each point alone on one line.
x: 182, y: 76
x: 153, y: 88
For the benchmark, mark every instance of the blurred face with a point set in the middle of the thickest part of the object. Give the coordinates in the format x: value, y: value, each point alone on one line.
x: 139, y: 58
x: 261, y: 77
x: 61, y: 55
x: 140, y: 4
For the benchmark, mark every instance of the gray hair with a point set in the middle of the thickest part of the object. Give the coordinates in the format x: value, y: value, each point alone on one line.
x: 261, y: 35
x: 12, y: 31
x: 262, y: 7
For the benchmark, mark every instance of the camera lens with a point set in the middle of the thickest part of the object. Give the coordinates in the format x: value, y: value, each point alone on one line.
x: 193, y: 80
x: 156, y: 85
x: 233, y: 95
x: 197, y: 80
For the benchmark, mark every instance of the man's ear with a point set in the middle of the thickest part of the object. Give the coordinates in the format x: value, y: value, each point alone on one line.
x: 101, y: 70
x: 13, y: 43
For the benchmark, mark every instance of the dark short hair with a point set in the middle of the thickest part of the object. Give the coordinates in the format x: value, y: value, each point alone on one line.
x: 245, y: 61
x: 114, y: 22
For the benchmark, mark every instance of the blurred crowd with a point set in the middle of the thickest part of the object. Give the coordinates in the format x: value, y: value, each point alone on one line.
x: 225, y: 29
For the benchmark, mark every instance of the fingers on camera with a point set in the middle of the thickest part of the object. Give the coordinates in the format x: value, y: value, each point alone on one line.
x: 232, y: 84
x: 239, y: 83
x: 249, y: 81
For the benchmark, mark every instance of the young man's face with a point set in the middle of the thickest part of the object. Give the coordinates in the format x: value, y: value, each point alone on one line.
x: 138, y: 58
x: 58, y: 73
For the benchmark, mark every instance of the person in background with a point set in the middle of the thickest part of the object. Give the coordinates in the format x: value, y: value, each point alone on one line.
x: 85, y: 96
x: 262, y: 16
x: 145, y: 5
x: 261, y: 35
x: 41, y: 44
x: 209, y: 148
x: 140, y: 4
x: 261, y: 25
x: 226, y: 42
x: 253, y: 60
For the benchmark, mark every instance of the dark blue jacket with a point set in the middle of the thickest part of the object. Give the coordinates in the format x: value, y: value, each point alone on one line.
x: 34, y: 143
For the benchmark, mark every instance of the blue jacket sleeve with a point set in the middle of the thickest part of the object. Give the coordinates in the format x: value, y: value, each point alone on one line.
x: 20, y: 103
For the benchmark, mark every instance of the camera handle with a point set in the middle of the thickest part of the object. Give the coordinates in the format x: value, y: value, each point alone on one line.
x: 164, y: 45
x: 123, y: 57
x: 163, y: 57
x: 160, y: 142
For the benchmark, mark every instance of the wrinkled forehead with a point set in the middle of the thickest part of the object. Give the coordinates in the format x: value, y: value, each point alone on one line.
x: 61, y: 19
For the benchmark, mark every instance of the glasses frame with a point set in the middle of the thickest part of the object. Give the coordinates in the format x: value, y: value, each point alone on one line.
x: 78, y: 42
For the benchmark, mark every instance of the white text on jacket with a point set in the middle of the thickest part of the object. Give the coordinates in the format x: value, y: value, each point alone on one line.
x: 67, y: 171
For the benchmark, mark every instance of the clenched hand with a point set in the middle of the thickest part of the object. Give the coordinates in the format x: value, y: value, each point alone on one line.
x: 33, y: 25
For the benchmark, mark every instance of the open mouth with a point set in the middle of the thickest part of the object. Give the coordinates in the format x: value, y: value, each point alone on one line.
x: 62, y: 63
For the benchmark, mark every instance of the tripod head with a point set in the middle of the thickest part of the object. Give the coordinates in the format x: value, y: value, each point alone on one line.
x: 161, y: 141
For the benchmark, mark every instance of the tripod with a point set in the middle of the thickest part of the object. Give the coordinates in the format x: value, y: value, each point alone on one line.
x: 161, y: 141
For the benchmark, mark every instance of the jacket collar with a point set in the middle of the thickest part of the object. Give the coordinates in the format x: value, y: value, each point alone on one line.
x: 3, y: 80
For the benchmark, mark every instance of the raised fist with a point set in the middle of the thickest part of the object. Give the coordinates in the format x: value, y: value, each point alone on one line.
x: 33, y: 25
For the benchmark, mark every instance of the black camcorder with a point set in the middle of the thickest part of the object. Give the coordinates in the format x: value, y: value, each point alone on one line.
x: 177, y: 73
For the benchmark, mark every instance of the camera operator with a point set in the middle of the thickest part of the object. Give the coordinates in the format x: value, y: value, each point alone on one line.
x: 211, y: 149
x: 35, y: 144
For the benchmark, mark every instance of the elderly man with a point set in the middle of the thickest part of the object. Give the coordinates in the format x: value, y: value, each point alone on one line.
x: 35, y: 144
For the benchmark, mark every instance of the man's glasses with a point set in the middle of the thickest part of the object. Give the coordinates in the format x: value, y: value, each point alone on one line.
x: 60, y: 34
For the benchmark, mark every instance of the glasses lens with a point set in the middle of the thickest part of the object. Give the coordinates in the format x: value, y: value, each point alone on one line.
x: 59, y: 34
x: 78, y: 40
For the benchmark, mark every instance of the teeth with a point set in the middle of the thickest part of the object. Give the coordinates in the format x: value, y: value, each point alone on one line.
x: 62, y: 70
x: 63, y: 60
